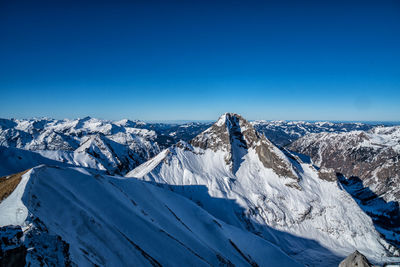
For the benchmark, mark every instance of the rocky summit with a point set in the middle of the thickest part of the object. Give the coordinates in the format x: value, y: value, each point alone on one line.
x: 232, y: 133
x: 221, y: 194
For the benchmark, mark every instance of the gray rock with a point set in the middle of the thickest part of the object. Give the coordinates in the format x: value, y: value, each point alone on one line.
x: 327, y: 174
x: 236, y: 135
x: 358, y: 154
x: 355, y: 259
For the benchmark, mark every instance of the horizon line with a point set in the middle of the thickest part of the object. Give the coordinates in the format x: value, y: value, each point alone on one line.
x: 182, y: 121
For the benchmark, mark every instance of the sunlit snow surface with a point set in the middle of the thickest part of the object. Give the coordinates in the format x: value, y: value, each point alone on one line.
x: 116, y: 147
x: 115, y: 221
x: 313, y: 220
x: 213, y: 214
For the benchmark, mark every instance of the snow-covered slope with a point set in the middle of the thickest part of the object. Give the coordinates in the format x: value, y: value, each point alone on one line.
x: 13, y: 160
x: 241, y: 178
x: 114, y: 146
x: 69, y: 217
x: 370, y: 163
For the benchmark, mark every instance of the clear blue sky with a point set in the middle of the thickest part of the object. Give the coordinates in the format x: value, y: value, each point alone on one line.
x: 311, y: 60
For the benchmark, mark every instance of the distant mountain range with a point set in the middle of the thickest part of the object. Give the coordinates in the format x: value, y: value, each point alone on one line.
x: 229, y: 193
x: 119, y: 146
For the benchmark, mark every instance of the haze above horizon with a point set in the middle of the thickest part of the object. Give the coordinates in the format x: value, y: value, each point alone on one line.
x: 173, y: 60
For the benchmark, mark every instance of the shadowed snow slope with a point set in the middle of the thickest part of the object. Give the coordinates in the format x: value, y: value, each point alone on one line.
x: 279, y: 198
x: 114, y: 221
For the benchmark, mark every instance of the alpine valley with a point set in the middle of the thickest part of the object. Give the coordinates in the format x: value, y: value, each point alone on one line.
x: 91, y: 192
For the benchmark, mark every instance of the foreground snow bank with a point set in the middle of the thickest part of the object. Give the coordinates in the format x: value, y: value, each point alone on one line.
x: 116, y: 221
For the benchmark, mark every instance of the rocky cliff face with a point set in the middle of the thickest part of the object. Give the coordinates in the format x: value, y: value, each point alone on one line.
x: 368, y: 164
x: 373, y: 156
x: 232, y: 133
x: 32, y: 245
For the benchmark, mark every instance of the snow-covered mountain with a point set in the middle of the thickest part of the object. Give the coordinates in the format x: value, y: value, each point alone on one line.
x: 283, y: 133
x: 373, y: 156
x: 241, y: 178
x: 14, y: 160
x: 236, y: 197
x: 370, y: 165
x: 116, y: 147
x: 119, y: 146
x: 52, y: 216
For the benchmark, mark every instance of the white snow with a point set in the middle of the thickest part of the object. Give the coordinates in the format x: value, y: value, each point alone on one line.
x: 317, y: 221
x: 314, y: 221
x: 221, y: 121
x: 113, y: 221
x: 120, y: 144
x: 12, y: 209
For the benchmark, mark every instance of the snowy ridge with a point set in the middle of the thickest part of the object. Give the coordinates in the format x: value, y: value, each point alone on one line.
x: 15, y: 160
x: 54, y: 204
x: 115, y: 147
x: 308, y: 217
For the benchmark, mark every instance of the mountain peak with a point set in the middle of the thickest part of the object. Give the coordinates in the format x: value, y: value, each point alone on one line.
x: 228, y: 129
x: 229, y: 119
x: 235, y: 135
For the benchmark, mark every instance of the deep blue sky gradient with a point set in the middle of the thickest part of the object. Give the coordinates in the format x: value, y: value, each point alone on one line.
x: 310, y: 60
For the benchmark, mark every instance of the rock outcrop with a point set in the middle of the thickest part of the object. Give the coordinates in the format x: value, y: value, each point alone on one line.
x: 355, y: 259
x: 234, y: 134
x: 373, y: 156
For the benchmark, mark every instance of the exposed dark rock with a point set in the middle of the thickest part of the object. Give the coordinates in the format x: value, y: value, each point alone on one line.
x: 45, y: 249
x: 385, y: 215
x: 12, y: 250
x: 377, y: 165
x: 232, y: 133
x: 355, y: 259
x: 368, y: 164
x: 328, y: 174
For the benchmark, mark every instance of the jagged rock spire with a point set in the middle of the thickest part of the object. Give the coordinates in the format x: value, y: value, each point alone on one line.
x: 229, y: 128
x: 232, y: 133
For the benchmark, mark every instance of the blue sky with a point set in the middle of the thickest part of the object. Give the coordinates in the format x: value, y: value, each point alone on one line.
x: 170, y: 60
